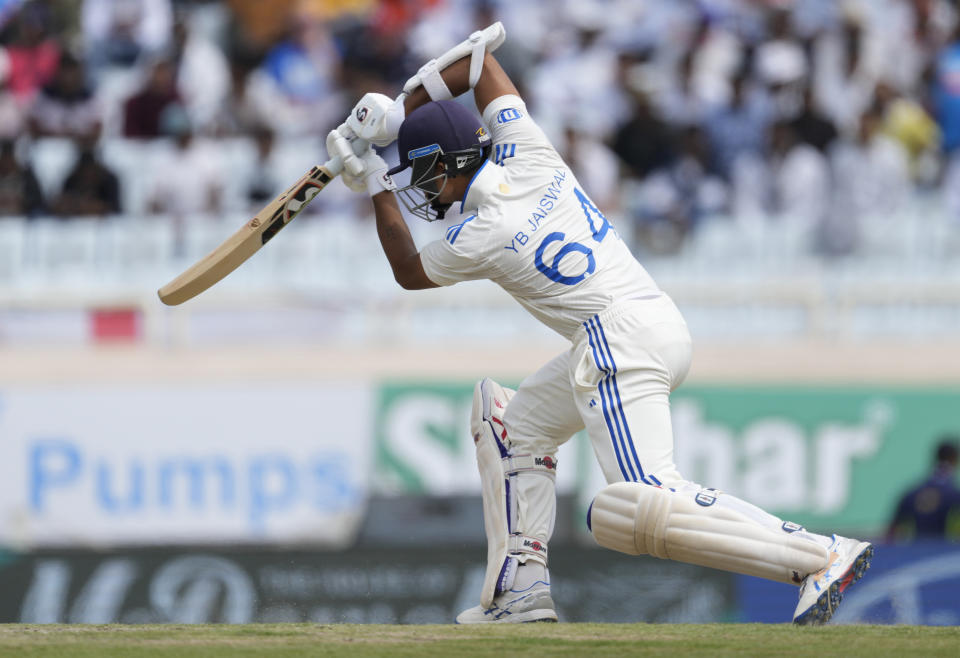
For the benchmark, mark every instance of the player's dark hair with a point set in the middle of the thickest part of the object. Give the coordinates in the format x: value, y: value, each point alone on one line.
x: 947, y: 452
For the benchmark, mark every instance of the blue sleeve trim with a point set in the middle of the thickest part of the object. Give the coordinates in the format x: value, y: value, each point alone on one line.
x: 504, y: 151
x: 454, y: 231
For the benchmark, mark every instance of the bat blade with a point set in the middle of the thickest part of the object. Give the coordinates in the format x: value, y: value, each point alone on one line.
x: 243, y: 244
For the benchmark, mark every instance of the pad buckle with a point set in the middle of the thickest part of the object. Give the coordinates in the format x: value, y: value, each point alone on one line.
x: 544, y: 464
x: 530, y: 545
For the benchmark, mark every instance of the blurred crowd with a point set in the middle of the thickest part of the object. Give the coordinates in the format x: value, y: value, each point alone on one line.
x: 827, y: 115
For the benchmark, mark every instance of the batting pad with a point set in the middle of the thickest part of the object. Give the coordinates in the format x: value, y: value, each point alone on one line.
x: 639, y: 519
x: 500, y: 470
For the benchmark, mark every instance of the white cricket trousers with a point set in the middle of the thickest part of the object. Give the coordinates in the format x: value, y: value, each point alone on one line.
x: 616, y: 381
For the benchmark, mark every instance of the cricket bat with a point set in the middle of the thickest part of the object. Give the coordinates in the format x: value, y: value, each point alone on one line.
x: 254, y: 234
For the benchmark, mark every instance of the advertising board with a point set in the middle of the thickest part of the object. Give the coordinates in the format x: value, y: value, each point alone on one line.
x: 364, y: 585
x: 832, y: 459
x: 906, y: 584
x: 105, y: 466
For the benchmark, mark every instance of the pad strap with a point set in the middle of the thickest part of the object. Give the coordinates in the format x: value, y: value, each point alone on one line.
x: 476, y: 57
x: 433, y: 83
x: 545, y: 465
x: 477, y: 45
x: 530, y: 545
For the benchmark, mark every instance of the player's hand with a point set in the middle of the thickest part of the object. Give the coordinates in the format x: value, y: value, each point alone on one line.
x: 377, y: 118
x: 374, y: 178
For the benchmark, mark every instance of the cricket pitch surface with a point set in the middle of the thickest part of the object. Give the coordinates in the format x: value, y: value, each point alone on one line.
x: 282, y: 640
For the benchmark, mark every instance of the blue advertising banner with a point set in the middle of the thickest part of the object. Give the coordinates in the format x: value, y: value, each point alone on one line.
x: 907, y: 584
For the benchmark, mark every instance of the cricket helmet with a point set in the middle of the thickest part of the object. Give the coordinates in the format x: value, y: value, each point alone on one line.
x: 438, y: 132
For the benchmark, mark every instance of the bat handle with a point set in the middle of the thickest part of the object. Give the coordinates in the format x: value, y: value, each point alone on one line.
x: 344, y: 152
x: 334, y: 165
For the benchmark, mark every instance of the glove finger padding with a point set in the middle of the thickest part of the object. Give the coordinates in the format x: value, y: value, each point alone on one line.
x: 377, y: 118
x: 374, y: 178
x: 354, y: 183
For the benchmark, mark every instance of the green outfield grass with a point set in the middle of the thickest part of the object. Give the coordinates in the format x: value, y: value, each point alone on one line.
x: 281, y: 640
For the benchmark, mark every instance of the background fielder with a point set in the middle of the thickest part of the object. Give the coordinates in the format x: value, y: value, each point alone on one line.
x: 533, y: 230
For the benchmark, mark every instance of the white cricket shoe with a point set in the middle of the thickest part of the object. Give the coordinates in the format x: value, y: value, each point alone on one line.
x: 514, y: 607
x: 821, y: 592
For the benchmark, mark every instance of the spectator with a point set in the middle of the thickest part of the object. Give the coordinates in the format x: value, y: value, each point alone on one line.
x: 296, y: 88
x: 66, y: 107
x: 144, y: 111
x: 90, y: 188
x: 931, y: 510
x: 203, y: 74
x: 237, y: 114
x: 121, y: 33
x: 911, y: 125
x: 262, y: 188
x: 33, y: 54
x: 188, y: 179
x: 739, y: 130
x: 801, y: 178
x: 577, y: 83
x: 375, y: 58
x: 912, y: 32
x: 812, y: 17
x: 719, y: 55
x: 781, y: 64
x: 257, y: 24
x: 871, y: 179
x: 670, y: 201
x: 845, y: 73
x: 594, y: 165
x: 680, y: 103
x: 812, y: 126
x: 12, y: 114
x: 643, y: 143
x: 946, y: 93
x: 20, y: 193
x: 701, y: 192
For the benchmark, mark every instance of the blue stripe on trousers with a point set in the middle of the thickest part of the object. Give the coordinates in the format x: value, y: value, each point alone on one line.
x: 615, y: 435
x: 629, y: 437
x: 626, y: 436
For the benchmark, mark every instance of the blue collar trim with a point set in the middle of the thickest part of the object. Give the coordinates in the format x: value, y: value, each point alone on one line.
x: 470, y: 184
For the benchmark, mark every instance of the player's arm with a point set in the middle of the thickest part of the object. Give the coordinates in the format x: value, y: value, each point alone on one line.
x: 398, y: 244
x: 492, y: 84
x: 468, y: 65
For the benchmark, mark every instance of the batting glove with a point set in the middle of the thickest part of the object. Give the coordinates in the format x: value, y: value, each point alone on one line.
x: 377, y: 118
x: 374, y: 178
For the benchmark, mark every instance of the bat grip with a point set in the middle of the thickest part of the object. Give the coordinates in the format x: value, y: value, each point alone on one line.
x: 344, y: 152
x: 334, y: 165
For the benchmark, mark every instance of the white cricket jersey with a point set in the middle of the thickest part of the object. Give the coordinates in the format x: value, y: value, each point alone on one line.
x: 535, y: 232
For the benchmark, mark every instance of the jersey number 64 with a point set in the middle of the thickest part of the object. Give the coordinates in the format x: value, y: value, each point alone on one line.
x: 552, y: 271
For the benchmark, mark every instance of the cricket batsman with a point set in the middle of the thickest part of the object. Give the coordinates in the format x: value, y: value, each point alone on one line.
x: 531, y: 227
